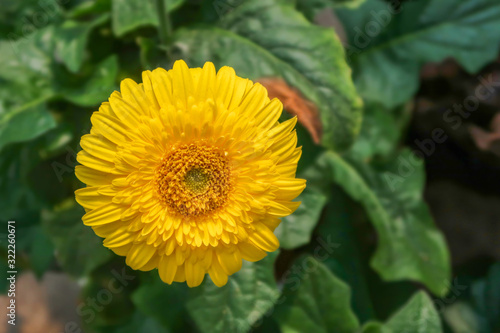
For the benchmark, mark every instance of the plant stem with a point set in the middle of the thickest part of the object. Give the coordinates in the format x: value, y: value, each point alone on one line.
x: 165, y: 28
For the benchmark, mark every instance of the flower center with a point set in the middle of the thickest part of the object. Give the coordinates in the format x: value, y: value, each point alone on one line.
x: 197, y: 181
x: 193, y: 179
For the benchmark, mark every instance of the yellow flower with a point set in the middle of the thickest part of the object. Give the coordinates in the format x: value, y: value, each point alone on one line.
x: 189, y: 172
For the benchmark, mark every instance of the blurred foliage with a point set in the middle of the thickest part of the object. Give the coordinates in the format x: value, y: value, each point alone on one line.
x: 60, y: 59
x: 390, y: 45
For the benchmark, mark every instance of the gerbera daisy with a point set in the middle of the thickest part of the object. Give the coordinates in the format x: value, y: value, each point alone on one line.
x: 189, y: 172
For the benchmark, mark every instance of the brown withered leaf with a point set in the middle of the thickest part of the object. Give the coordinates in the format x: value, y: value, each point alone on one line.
x: 295, y: 104
x: 488, y: 140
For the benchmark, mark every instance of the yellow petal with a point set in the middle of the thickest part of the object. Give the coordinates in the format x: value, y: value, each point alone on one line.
x: 185, y: 86
x: 162, y: 86
x: 104, y: 214
x: 289, y: 189
x: 226, y: 78
x: 180, y: 275
x: 135, y: 96
x: 217, y: 274
x: 230, y: 262
x: 206, y: 83
x: 93, y: 177
x: 139, y: 255
x: 278, y: 209
x: 147, y: 79
x: 264, y: 238
x: 167, y: 269
x: 254, y: 99
x: 270, y: 114
x: 119, y: 238
x: 99, y: 147
x: 194, y: 274
x: 111, y: 128
x: 90, y: 198
x: 96, y: 163
x: 250, y: 252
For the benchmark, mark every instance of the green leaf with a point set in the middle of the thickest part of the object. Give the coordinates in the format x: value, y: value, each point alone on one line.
x: 18, y: 199
x: 95, y: 89
x: 308, y: 57
x: 25, y: 123
x: 79, y: 250
x: 314, y: 300
x: 129, y: 15
x: 107, y: 293
x: 486, y: 297
x: 20, y: 18
x: 139, y: 323
x: 417, y: 315
x: 161, y: 301
x: 387, y: 50
x: 461, y: 317
x: 28, y: 60
x: 295, y: 230
x: 337, y: 242
x: 381, y: 131
x: 375, y: 327
x: 4, y: 283
x: 409, y: 244
x: 246, y: 297
x: 311, y: 8
x: 42, y: 251
x: 89, y: 7
x: 71, y: 41
x: 25, y: 76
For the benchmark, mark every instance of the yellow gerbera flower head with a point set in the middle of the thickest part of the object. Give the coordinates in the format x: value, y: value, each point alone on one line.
x: 189, y: 172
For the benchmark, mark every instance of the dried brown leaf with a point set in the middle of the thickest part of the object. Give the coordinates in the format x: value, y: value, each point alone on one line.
x: 295, y: 104
x: 487, y: 140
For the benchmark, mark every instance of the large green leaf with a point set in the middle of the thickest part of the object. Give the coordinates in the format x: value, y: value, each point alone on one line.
x: 336, y: 240
x: 461, y: 317
x: 18, y: 199
x: 295, y: 230
x: 269, y: 38
x: 417, y: 315
x: 107, y: 293
x: 246, y: 297
x: 139, y: 323
x: 31, y: 75
x: 33, y: 243
x: 78, y: 248
x: 41, y: 252
x: 381, y: 131
x: 311, y: 8
x: 20, y: 18
x: 89, y: 7
x: 161, y: 301
x: 409, y: 245
x: 97, y: 87
x: 28, y: 60
x: 375, y: 327
x: 132, y: 14
x: 25, y: 76
x: 25, y: 122
x: 71, y: 41
x: 314, y: 300
x: 486, y: 297
x: 387, y: 50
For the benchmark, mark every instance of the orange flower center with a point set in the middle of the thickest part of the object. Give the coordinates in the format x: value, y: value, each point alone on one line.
x: 193, y: 179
